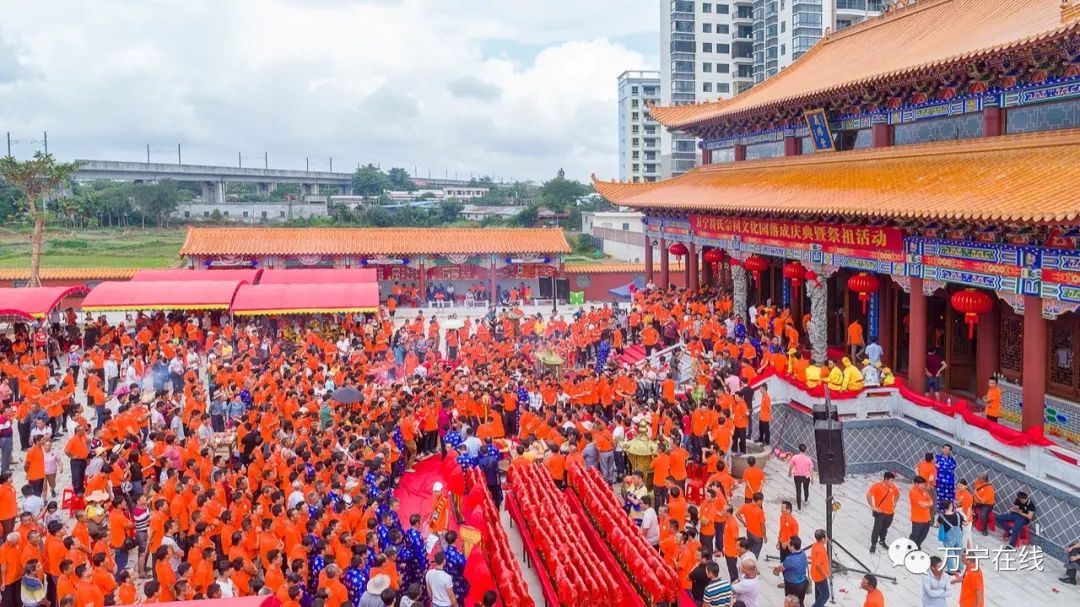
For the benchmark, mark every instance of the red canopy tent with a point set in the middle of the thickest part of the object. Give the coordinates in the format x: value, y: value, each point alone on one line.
x: 317, y: 276
x: 249, y: 275
x: 252, y: 300
x: 35, y: 302
x: 162, y: 295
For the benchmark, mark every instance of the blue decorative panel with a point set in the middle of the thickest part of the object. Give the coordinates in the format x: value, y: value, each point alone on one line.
x: 1043, y: 117
x: 770, y: 149
x: 964, y: 126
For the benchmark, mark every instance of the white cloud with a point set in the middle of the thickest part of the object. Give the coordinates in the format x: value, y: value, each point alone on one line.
x: 440, y: 85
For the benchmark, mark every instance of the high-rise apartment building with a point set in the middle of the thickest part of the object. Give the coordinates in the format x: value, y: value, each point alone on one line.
x: 706, y: 53
x: 713, y: 50
x: 783, y: 30
x: 639, y: 134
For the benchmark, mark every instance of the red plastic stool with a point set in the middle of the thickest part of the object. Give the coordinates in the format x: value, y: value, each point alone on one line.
x: 71, y: 502
x: 1023, y: 539
x: 990, y: 524
x: 695, y: 490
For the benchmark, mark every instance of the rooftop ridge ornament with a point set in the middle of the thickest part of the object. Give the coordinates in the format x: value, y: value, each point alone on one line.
x: 1070, y: 11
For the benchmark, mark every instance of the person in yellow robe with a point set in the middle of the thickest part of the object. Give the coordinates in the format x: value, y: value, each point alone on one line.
x: 813, y: 375
x: 835, y: 377
x: 853, y: 379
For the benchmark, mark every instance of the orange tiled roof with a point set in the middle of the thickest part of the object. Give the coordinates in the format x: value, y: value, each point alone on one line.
x: 371, y: 241
x: 926, y: 34
x: 1024, y: 178
x: 69, y: 273
x: 612, y: 267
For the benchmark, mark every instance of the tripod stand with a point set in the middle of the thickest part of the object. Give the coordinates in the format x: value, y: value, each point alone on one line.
x: 832, y: 505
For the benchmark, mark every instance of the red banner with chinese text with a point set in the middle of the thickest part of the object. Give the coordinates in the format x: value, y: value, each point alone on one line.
x: 797, y: 232
x: 408, y: 273
x: 526, y: 270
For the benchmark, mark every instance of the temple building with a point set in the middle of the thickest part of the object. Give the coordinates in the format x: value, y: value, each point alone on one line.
x: 502, y: 258
x: 918, y: 173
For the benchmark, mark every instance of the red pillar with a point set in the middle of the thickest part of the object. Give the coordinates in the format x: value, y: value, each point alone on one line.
x: 492, y: 282
x: 994, y: 122
x: 423, y: 281
x: 648, y: 259
x: 987, y: 347
x: 707, y: 277
x: 691, y: 266
x: 740, y: 152
x: 917, y: 338
x: 792, y: 146
x: 881, y: 135
x: 1034, y: 379
x: 665, y: 275
x: 706, y: 157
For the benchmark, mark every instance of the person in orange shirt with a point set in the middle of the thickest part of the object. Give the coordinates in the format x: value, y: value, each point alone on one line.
x: 661, y: 470
x: 855, y: 339
x: 789, y: 528
x: 753, y: 479
x: 556, y: 465
x: 741, y: 416
x: 921, y: 505
x: 752, y: 516
x: 35, y: 466
x: 765, y: 416
x: 984, y: 502
x: 820, y: 568
x: 731, y: 542
x: 338, y: 593
x: 882, y: 498
x: 650, y: 337
x: 874, y: 597
x: 992, y: 400
x: 972, y: 585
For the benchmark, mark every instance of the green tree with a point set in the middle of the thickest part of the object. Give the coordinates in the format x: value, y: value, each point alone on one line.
x: 400, y: 180
x: 561, y: 192
x: 157, y: 200
x: 36, y: 178
x: 449, y: 211
x: 528, y: 217
x: 369, y: 181
x: 11, y: 199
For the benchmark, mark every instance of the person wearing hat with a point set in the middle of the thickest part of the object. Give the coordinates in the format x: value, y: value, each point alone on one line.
x: 373, y: 595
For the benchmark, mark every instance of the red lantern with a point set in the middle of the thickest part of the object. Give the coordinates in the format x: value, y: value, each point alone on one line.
x: 971, y: 303
x: 713, y: 256
x: 794, y: 272
x: 678, y: 249
x: 864, y: 284
x: 756, y: 264
x: 811, y: 276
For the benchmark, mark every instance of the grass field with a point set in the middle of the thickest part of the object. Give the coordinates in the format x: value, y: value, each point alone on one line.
x: 114, y: 248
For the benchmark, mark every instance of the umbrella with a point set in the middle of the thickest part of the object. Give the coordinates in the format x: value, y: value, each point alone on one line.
x: 453, y: 323
x: 347, y: 395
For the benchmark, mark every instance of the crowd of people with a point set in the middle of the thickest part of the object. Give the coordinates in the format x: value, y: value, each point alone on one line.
x: 214, y: 460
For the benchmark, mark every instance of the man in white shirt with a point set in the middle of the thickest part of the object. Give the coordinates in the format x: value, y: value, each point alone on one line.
x: 296, y: 497
x: 440, y: 584
x: 112, y: 374
x: 472, y: 444
x: 224, y: 581
x: 650, y: 525
x: 746, y: 588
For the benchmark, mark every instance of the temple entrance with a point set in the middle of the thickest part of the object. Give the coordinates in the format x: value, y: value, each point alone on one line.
x: 961, y: 352
x: 899, y: 326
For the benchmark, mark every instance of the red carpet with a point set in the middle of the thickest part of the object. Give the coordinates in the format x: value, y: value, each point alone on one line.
x: 414, y: 490
x: 632, y: 354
